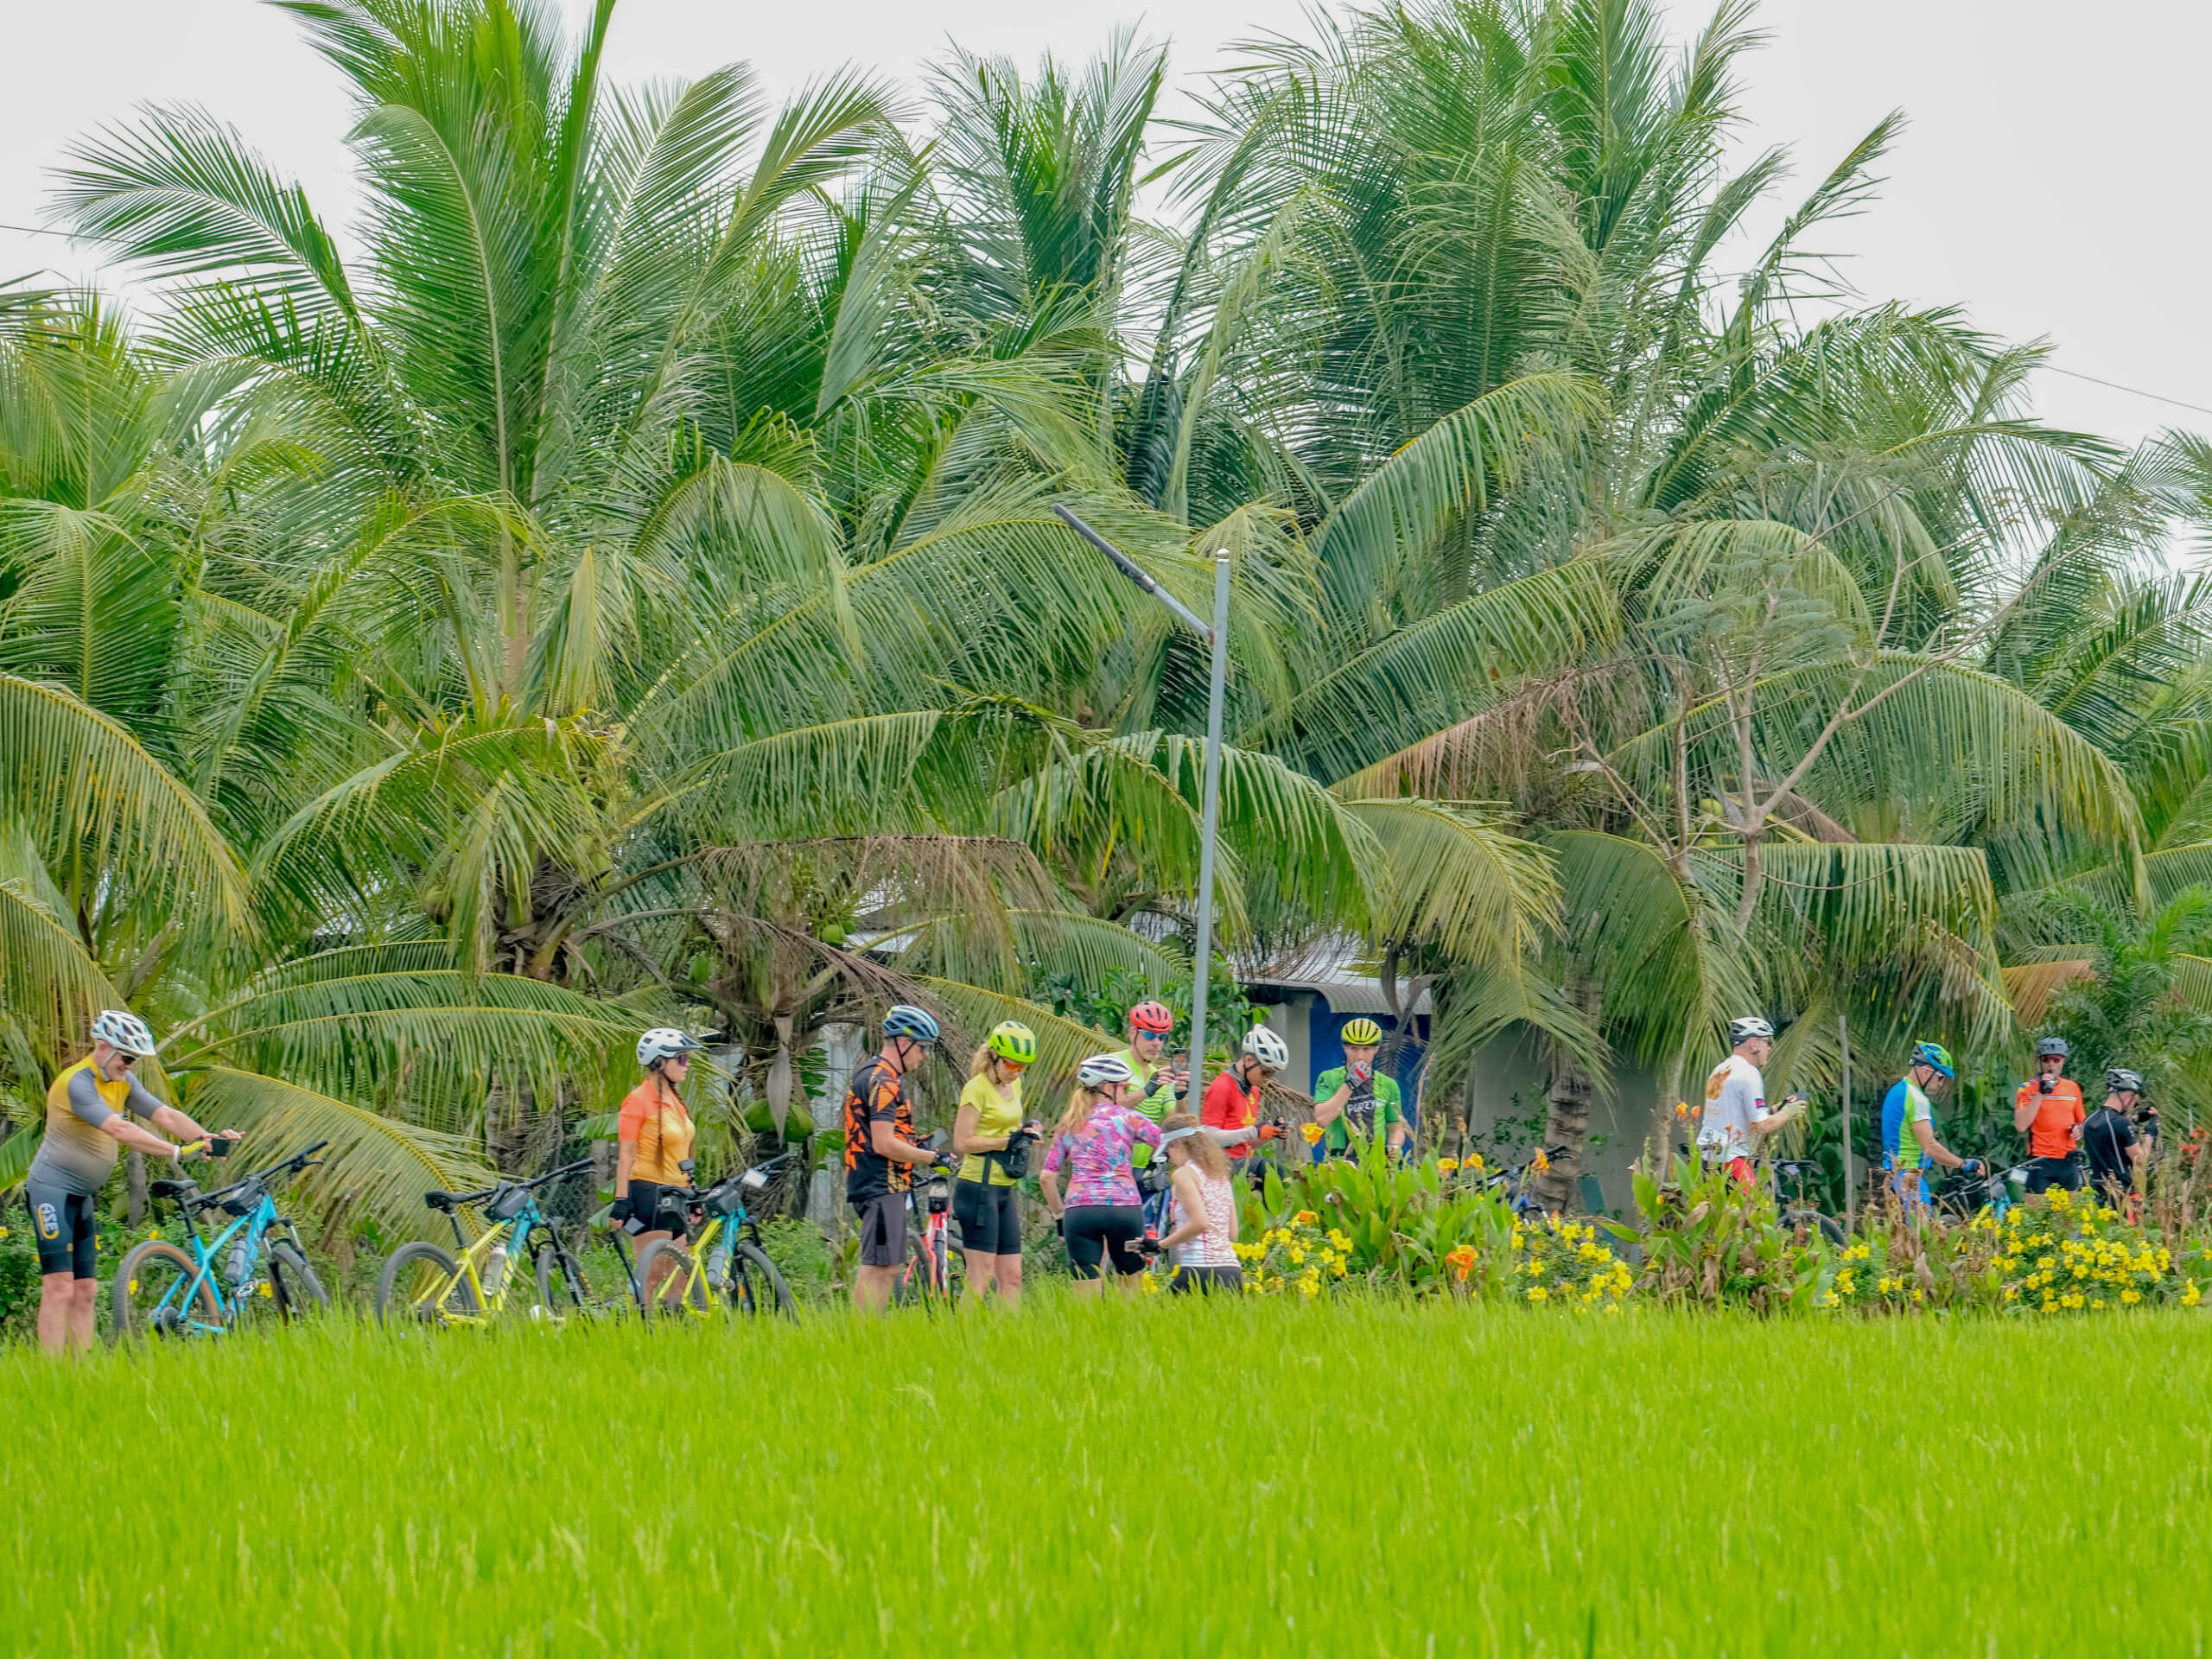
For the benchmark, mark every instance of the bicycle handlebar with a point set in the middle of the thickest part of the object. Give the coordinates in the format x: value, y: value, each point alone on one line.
x: 302, y: 1160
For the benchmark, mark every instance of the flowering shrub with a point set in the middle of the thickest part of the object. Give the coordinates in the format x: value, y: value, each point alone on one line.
x: 1560, y: 1260
x: 2075, y: 1256
x: 1296, y: 1255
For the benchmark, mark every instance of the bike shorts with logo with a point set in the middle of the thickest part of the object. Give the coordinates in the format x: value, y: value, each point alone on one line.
x: 990, y: 1222
x: 1226, y: 1280
x: 1095, y: 1230
x: 883, y: 1230
x: 2044, y: 1173
x: 65, y: 1229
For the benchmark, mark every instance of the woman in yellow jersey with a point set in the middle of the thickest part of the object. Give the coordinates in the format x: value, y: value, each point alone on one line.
x: 656, y: 1134
x: 88, y: 1113
x: 989, y: 1129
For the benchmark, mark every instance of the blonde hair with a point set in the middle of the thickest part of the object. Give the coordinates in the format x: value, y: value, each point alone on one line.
x: 981, y: 1064
x: 1082, y: 1101
x: 1205, y: 1152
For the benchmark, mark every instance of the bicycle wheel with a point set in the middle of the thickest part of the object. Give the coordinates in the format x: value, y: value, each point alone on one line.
x: 422, y: 1285
x: 755, y: 1286
x: 563, y: 1290
x: 150, y: 1296
x: 295, y: 1290
x: 1813, y: 1220
x: 681, y: 1288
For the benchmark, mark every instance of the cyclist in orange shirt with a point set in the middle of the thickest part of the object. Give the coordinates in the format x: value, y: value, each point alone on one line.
x: 2049, y: 1110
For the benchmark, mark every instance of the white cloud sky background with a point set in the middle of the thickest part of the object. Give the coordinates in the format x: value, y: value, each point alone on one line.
x: 2050, y: 180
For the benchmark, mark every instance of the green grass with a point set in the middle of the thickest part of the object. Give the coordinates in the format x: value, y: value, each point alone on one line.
x: 1168, y: 1479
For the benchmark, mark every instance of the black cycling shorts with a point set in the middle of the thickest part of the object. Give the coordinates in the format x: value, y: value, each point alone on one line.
x: 990, y: 1222
x: 1093, y: 1230
x: 1227, y: 1280
x: 66, y: 1230
x: 2044, y: 1173
x: 647, y: 1210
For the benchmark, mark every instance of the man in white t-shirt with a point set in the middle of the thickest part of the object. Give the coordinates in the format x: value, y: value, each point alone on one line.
x: 1736, y: 1116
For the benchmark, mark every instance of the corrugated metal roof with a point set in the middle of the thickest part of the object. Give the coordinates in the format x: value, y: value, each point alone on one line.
x: 1343, y: 991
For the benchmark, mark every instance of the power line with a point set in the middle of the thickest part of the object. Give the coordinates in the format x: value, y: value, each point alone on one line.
x: 2136, y: 391
x: 35, y: 230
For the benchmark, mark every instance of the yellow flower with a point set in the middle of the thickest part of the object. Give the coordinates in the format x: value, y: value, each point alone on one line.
x: 1297, y: 1258
x: 1475, y: 1163
x: 1447, y: 1165
x: 1537, y: 1294
x: 1311, y: 1131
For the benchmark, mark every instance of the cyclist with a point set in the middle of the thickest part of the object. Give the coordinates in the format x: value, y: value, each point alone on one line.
x: 1736, y: 1116
x: 1352, y: 1100
x: 880, y: 1155
x: 1202, y: 1244
x: 88, y: 1113
x: 2047, y: 1109
x: 1232, y: 1100
x: 1908, y: 1142
x: 1158, y: 1083
x: 2115, y: 1147
x: 654, y: 1134
x: 1100, y: 1215
x: 985, y: 1197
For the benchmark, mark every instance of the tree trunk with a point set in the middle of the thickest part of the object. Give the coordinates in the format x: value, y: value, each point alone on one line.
x: 1567, y: 1122
x: 134, y: 1185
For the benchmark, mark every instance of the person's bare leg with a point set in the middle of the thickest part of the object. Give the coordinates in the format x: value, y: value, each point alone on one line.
x: 1087, y: 1289
x: 982, y: 1271
x: 84, y: 1294
x: 1009, y: 1274
x: 871, y: 1288
x: 56, y: 1302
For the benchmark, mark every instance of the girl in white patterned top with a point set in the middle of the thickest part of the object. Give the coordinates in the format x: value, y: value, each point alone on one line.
x: 1203, y: 1209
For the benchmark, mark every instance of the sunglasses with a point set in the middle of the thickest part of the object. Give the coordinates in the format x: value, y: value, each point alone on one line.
x: 1011, y: 1066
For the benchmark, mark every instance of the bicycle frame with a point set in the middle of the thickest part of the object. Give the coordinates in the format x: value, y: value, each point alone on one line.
x: 185, y: 1292
x: 469, y: 1264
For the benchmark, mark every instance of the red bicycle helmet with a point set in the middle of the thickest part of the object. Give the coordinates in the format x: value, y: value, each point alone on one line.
x: 1152, y: 1016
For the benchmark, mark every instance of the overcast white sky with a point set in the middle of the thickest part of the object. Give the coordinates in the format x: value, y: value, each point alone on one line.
x: 2050, y: 180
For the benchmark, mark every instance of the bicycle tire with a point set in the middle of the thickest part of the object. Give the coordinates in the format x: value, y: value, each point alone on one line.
x: 748, y: 1262
x: 683, y: 1291
x: 418, y: 1257
x: 148, y: 1271
x: 298, y: 1292
x: 578, y: 1298
x: 1813, y: 1221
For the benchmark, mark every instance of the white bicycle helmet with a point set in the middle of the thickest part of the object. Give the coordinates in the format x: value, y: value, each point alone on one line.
x: 123, y: 1030
x: 662, y: 1043
x: 1270, y: 1050
x: 1102, y: 1069
x: 1749, y: 1026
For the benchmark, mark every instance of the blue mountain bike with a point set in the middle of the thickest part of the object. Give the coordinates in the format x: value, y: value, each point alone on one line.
x: 254, y: 1264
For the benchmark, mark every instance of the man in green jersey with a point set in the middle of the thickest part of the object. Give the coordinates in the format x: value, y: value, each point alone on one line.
x: 1909, y: 1140
x: 1354, y: 1099
x: 1159, y: 1084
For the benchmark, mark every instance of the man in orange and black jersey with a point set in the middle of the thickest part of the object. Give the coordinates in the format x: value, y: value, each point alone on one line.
x: 880, y: 1156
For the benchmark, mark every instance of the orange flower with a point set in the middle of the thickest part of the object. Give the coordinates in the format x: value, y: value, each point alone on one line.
x: 1461, y: 1261
x: 1540, y: 1163
x: 1305, y: 1218
x: 1311, y: 1131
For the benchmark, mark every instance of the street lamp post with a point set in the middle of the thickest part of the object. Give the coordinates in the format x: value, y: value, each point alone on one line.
x: 1217, y: 638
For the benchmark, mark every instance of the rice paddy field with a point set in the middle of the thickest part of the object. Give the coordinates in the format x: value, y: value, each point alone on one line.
x: 1256, y: 1477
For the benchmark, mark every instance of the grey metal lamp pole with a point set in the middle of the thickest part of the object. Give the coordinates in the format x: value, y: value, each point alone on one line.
x: 1218, y: 637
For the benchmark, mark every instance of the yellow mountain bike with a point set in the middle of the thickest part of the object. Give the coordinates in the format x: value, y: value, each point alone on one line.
x: 723, y: 1270
x: 424, y: 1284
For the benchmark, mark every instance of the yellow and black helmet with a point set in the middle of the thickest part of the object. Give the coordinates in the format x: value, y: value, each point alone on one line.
x: 1013, y: 1042
x: 1362, y: 1033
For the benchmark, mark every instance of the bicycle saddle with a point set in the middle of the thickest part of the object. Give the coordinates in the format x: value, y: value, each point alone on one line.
x: 171, y: 1189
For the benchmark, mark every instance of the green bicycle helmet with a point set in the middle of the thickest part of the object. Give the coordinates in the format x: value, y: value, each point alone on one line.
x: 1013, y: 1042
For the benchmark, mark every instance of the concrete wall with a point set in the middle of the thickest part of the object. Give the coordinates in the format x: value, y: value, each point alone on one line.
x: 1507, y: 1083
